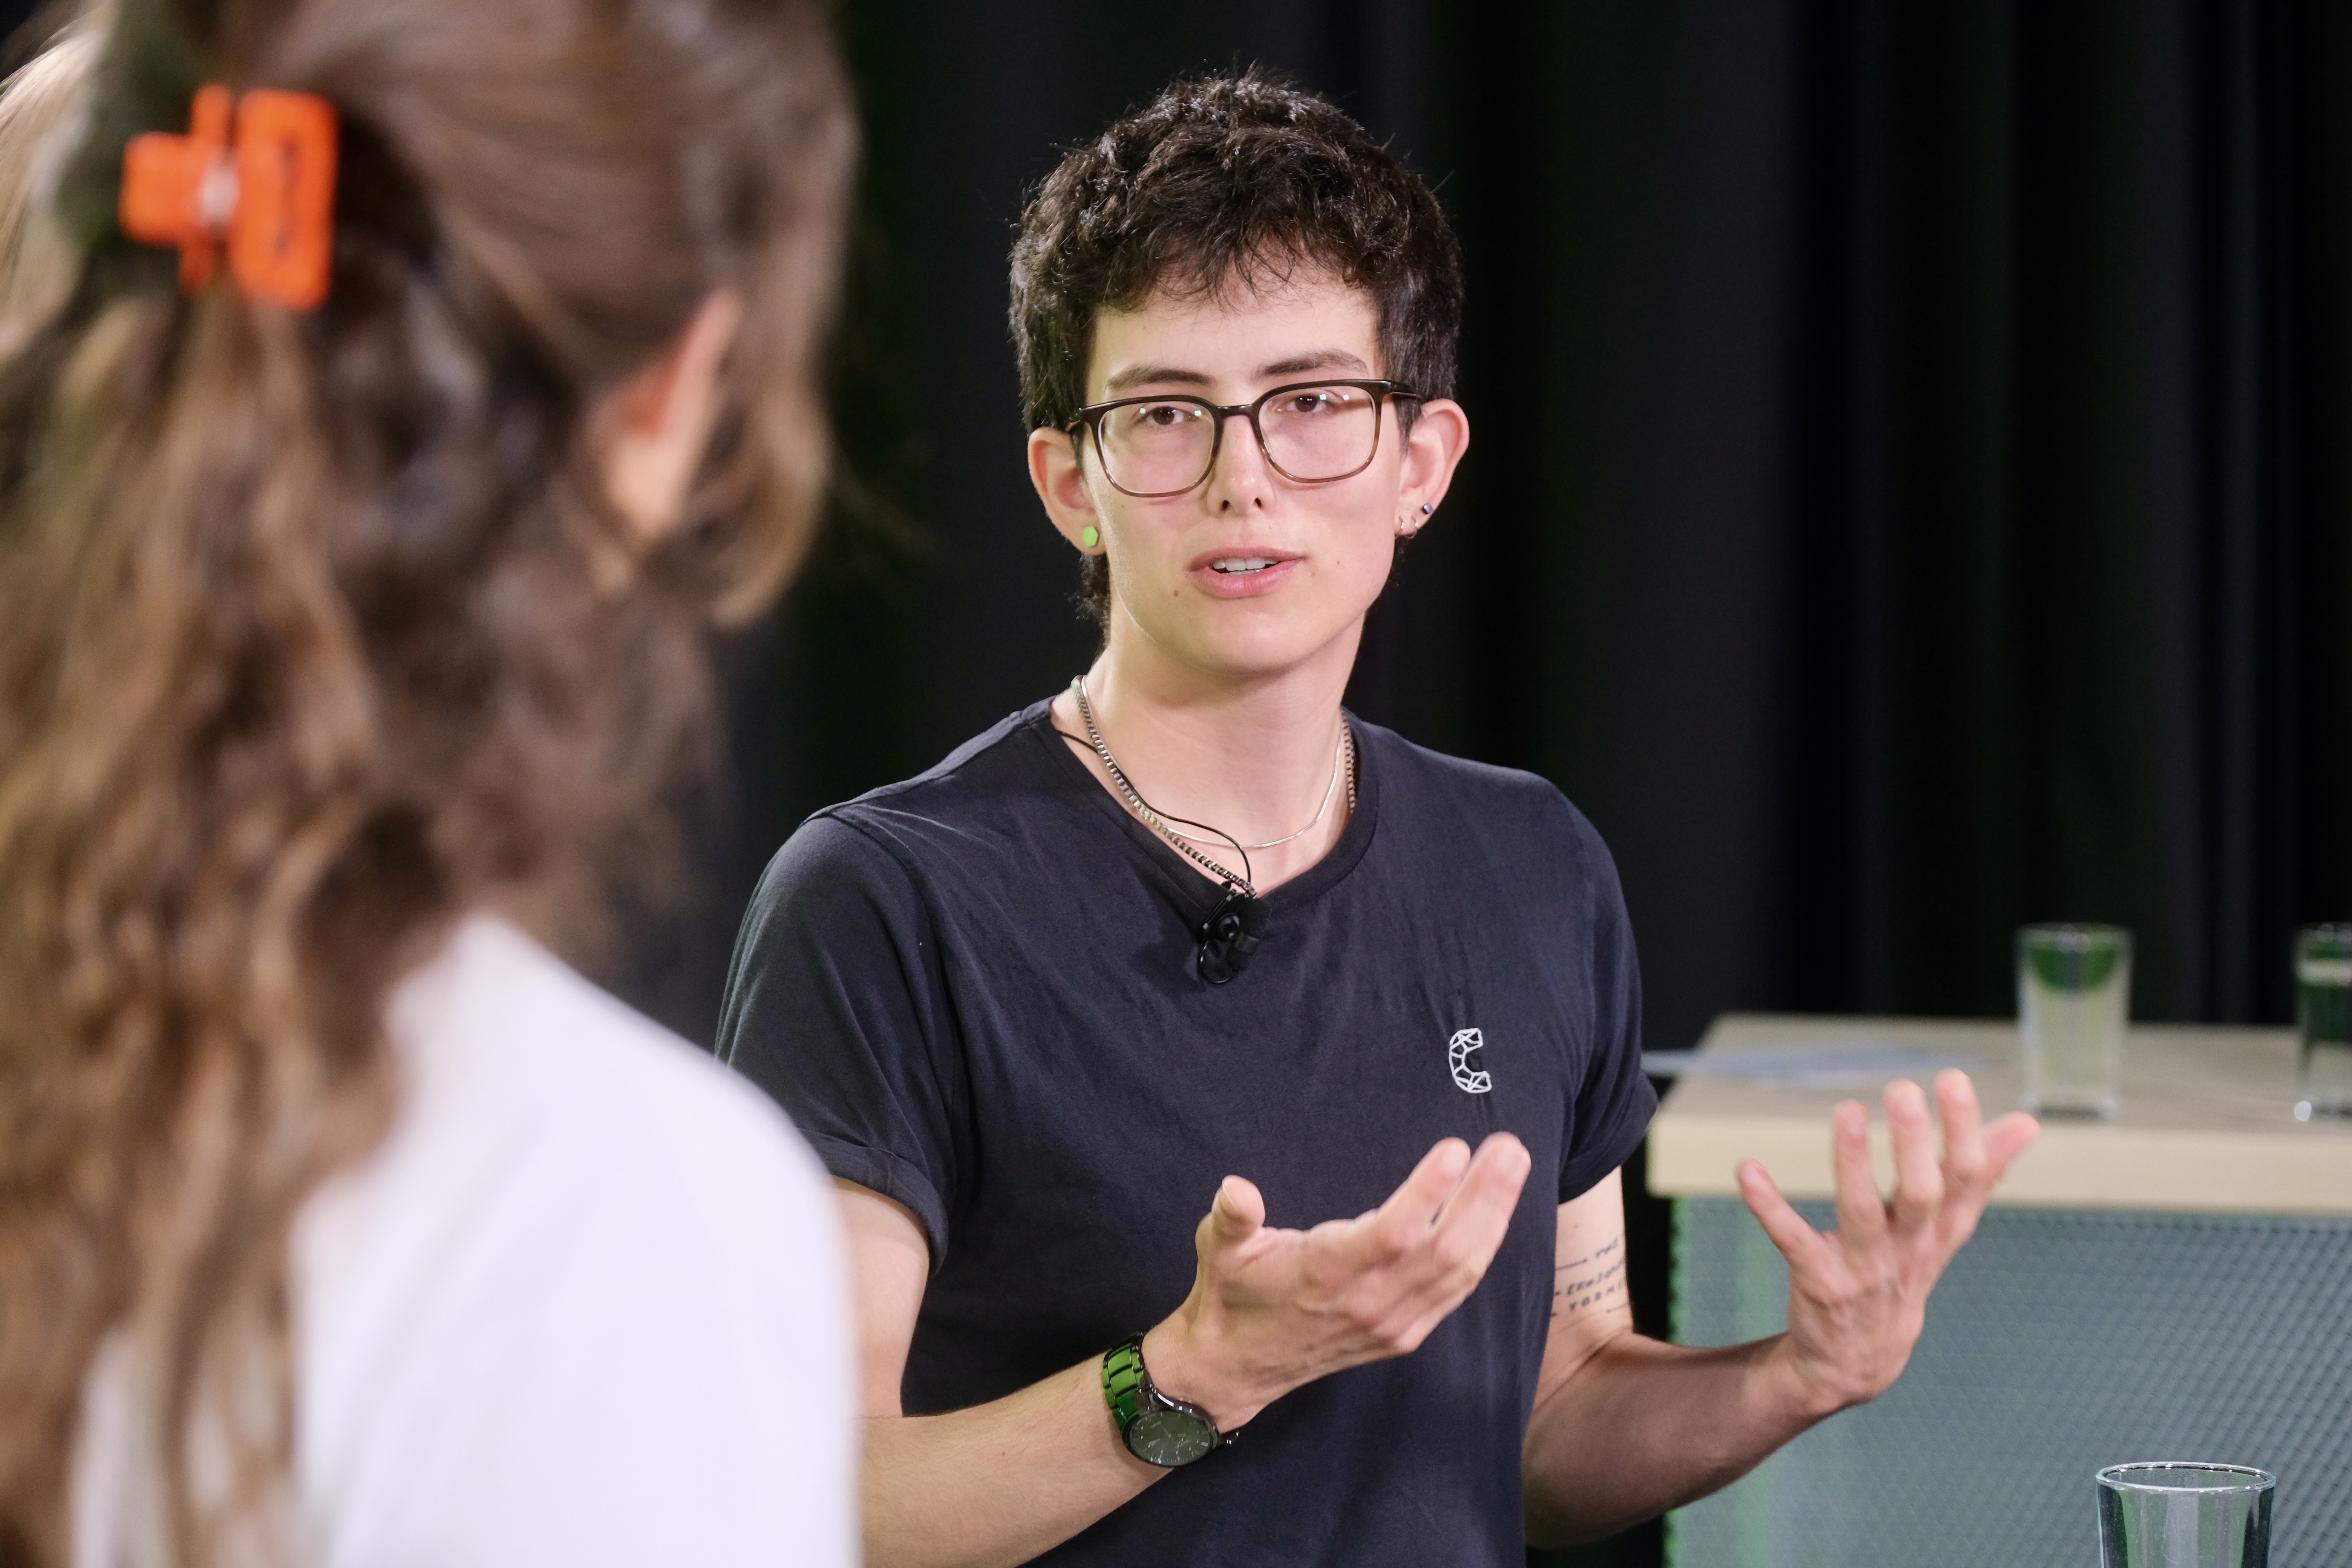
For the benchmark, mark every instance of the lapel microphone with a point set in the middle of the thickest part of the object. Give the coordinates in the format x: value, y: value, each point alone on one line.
x: 1230, y: 934
x: 1229, y: 937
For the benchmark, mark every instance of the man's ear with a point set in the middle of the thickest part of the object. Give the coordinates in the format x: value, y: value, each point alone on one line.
x: 653, y: 430
x: 1432, y: 452
x: 1061, y: 481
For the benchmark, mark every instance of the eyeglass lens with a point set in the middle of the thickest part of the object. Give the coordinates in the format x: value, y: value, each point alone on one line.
x: 1311, y: 433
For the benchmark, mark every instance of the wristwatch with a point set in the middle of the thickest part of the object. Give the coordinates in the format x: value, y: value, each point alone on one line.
x: 1157, y: 1429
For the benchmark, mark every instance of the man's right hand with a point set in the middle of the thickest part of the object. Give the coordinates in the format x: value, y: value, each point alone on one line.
x: 1273, y: 1310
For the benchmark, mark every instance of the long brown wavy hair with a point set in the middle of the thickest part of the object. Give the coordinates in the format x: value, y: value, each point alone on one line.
x: 311, y: 637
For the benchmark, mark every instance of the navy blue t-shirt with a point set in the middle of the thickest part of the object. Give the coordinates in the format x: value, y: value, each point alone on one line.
x: 975, y: 991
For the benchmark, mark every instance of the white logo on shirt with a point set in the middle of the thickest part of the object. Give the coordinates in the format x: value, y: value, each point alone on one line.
x: 1460, y: 1052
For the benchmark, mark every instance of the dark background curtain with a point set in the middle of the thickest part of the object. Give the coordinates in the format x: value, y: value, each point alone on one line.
x: 1911, y: 485
x: 1909, y: 494
x: 1911, y: 490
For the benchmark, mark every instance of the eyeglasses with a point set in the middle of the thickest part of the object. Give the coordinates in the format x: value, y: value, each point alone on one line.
x: 1311, y: 432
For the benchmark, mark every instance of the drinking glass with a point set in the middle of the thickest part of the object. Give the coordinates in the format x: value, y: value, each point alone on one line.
x: 2073, y: 996
x: 2323, y: 1019
x: 2185, y: 1516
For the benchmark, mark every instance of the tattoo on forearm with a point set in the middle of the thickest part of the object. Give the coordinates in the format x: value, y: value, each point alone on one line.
x: 1579, y: 1284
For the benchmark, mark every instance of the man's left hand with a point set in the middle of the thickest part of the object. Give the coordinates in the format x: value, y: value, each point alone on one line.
x: 1858, y: 1296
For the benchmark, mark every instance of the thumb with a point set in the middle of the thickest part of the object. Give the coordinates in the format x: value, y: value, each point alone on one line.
x: 1237, y: 1213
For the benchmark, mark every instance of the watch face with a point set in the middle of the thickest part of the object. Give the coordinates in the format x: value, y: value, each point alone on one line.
x: 1169, y: 1437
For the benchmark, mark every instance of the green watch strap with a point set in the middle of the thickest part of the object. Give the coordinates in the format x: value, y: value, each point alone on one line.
x: 1123, y: 1380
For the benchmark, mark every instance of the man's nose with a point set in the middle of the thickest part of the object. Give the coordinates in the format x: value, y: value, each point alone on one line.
x: 1241, y: 463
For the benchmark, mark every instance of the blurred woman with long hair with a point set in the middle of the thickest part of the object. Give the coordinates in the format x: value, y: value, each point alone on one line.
x: 352, y: 637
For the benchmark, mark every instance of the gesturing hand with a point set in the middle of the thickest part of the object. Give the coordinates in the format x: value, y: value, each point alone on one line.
x: 1271, y: 1309
x: 1858, y: 1296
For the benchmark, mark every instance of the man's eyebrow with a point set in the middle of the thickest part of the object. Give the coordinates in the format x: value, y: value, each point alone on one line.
x: 1148, y: 374
x: 1322, y: 359
x: 1134, y: 375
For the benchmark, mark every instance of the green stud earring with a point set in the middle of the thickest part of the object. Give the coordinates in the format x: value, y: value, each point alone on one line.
x: 1089, y: 537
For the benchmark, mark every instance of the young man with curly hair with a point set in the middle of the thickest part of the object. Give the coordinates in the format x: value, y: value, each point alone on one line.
x: 1189, y: 935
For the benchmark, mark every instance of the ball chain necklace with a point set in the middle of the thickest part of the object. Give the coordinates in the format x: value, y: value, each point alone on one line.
x: 1343, y: 765
x: 1231, y: 933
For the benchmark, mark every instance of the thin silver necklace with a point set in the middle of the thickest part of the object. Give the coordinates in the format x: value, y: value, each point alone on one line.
x: 1339, y: 760
x: 1343, y: 763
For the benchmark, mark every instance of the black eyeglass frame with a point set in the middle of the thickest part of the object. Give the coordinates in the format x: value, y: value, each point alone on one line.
x: 1091, y: 420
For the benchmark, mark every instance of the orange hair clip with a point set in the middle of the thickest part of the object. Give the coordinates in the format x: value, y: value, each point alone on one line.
x: 267, y: 188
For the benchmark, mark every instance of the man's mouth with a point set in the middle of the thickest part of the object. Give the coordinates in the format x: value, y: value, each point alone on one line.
x: 1241, y: 565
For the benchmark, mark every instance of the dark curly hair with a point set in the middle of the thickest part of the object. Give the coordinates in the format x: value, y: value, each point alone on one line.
x: 1217, y: 182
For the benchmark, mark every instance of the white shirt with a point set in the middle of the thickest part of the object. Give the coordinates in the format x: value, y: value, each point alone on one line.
x: 585, y: 1306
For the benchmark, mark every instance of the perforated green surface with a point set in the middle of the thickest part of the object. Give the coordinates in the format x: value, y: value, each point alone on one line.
x: 2060, y: 1341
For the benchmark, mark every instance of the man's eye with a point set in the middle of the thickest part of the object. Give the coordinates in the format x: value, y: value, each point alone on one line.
x: 1164, y: 416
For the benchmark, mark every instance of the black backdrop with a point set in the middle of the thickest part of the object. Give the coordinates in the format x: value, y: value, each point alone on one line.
x: 1909, y: 497
x: 1909, y: 494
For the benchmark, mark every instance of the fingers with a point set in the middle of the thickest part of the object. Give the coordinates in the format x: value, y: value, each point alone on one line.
x: 1492, y: 1183
x: 1918, y: 1180
x: 1413, y: 1207
x: 1381, y: 1280
x: 1862, y: 1212
x: 2005, y: 1139
x: 1963, y: 1145
x: 1976, y: 1156
x: 1475, y: 1217
x: 1806, y: 1251
x: 1456, y: 1254
x: 1447, y: 1244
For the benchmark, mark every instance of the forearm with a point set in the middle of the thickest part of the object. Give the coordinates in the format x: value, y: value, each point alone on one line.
x: 999, y: 1483
x: 1269, y: 1311
x: 1644, y: 1426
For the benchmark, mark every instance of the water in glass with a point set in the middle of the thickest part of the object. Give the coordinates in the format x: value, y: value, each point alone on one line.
x: 2073, y: 998
x: 2323, y: 1019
